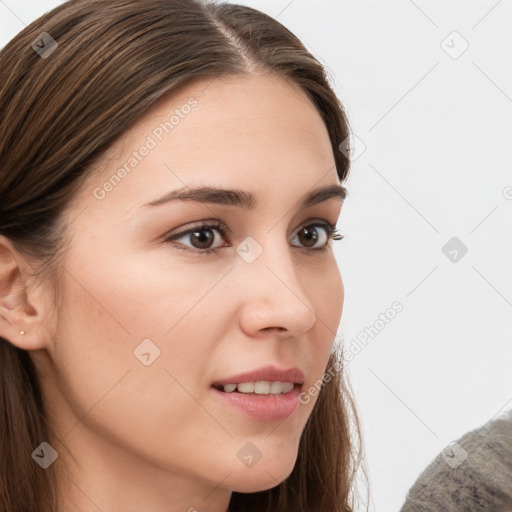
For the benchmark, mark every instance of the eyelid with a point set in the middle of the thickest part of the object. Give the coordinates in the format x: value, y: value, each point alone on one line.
x: 204, y: 224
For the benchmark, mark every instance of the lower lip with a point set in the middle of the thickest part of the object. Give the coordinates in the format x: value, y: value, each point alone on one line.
x: 266, y: 408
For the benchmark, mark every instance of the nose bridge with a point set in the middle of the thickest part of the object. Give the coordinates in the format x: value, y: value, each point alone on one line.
x: 273, y: 293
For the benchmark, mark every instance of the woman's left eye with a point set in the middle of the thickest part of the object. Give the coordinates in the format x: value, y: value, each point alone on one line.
x: 201, y: 237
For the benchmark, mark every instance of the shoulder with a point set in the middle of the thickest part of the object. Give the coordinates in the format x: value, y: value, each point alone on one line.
x: 470, y: 474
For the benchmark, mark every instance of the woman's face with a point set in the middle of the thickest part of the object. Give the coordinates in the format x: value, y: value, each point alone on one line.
x: 148, y: 324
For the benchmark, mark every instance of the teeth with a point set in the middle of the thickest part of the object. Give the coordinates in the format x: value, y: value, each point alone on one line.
x: 246, y: 387
x: 261, y: 387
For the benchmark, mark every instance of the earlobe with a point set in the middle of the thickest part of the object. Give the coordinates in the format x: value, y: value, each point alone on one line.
x: 20, y: 321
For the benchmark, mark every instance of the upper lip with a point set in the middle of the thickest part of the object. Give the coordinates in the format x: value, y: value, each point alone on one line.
x: 269, y: 373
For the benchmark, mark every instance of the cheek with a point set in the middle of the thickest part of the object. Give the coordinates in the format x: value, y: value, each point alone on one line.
x: 136, y: 296
x: 336, y: 292
x: 108, y: 388
x: 114, y: 315
x: 327, y: 295
x: 118, y: 312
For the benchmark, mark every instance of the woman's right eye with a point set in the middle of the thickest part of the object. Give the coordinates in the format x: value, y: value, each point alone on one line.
x: 201, y: 236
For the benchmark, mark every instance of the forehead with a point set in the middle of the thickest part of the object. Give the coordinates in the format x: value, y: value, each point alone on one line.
x: 214, y: 109
x: 253, y: 130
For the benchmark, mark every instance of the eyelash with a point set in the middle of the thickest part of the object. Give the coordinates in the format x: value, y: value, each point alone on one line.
x: 330, y: 229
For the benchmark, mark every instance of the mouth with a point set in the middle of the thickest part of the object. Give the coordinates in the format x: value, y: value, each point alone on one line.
x: 265, y: 394
x: 262, y: 407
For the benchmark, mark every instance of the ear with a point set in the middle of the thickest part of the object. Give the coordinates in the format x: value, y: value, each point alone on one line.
x: 21, y: 305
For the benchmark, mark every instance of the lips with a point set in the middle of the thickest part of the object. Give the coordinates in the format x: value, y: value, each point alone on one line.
x: 267, y: 373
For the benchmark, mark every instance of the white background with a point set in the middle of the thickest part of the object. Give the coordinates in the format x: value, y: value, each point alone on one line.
x: 436, y: 133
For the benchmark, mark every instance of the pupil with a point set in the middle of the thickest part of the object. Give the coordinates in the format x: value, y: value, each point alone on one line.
x: 311, y: 235
x: 202, y: 239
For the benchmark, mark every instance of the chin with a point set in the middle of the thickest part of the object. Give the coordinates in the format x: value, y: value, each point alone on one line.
x: 261, y: 478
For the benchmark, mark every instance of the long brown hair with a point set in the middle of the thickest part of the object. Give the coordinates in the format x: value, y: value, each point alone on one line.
x: 59, y: 112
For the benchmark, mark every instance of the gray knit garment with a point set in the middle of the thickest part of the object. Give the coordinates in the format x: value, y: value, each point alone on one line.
x: 472, y: 474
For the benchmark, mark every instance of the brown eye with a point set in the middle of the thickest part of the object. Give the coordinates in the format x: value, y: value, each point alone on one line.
x: 200, y: 238
x: 309, y: 236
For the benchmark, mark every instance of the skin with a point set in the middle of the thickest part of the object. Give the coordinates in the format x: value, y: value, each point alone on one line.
x: 133, y: 437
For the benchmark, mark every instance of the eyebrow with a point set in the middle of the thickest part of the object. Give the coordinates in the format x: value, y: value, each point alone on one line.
x: 243, y: 199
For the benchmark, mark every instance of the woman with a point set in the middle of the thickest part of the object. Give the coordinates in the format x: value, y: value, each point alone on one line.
x: 170, y: 182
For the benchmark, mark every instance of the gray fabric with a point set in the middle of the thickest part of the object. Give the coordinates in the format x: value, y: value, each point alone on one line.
x: 473, y: 474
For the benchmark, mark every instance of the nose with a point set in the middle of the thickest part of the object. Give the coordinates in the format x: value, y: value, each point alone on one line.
x: 272, y: 297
